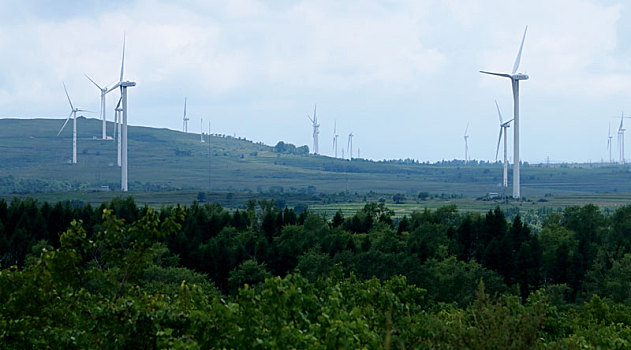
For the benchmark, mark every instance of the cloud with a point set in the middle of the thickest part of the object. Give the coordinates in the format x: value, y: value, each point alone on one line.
x: 369, y: 64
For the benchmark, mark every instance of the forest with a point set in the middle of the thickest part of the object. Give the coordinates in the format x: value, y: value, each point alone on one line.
x: 120, y: 275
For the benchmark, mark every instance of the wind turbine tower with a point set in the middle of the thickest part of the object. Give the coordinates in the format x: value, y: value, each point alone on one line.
x: 73, y: 114
x: 609, y: 137
x: 503, y: 130
x: 185, y: 119
x: 515, y: 78
x: 335, y: 136
x: 201, y: 131
x: 349, y: 146
x: 621, y: 131
x: 117, y: 122
x: 123, y: 85
x: 466, y: 144
x: 316, y: 129
x: 104, y: 91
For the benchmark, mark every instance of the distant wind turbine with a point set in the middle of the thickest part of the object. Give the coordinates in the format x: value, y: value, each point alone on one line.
x: 349, y: 146
x: 335, y: 136
x: 503, y: 130
x: 201, y: 131
x: 515, y: 78
x: 104, y: 91
x: 621, y: 131
x: 609, y: 137
x: 73, y: 114
x: 185, y: 119
x: 123, y: 85
x: 466, y: 144
x: 316, y: 129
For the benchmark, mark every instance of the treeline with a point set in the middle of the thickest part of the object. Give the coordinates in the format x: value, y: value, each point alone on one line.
x: 202, y: 276
x: 574, y: 250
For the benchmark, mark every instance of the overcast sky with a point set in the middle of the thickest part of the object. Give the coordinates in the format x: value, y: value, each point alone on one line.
x: 401, y: 75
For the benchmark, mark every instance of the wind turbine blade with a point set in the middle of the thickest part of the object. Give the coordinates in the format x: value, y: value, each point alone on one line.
x: 71, y: 106
x: 621, y: 120
x: 466, y: 129
x: 119, y: 102
x: 66, y: 122
x: 498, y: 74
x: 90, y: 79
x: 185, y: 107
x: 498, y: 144
x: 85, y: 110
x: 113, y: 87
x: 498, y: 112
x: 518, y: 59
x: 123, y: 60
x: 315, y: 106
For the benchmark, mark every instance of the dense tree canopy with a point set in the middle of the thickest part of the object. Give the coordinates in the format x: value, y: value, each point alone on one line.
x: 123, y: 276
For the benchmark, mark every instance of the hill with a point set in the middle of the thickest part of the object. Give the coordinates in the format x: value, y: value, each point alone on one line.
x: 34, y: 159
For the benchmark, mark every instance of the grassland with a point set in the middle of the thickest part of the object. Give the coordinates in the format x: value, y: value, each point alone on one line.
x: 171, y: 166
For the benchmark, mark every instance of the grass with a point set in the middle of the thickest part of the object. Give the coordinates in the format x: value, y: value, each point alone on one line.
x: 604, y: 201
x: 172, y: 166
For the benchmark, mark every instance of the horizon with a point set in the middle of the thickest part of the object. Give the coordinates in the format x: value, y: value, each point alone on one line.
x: 481, y: 162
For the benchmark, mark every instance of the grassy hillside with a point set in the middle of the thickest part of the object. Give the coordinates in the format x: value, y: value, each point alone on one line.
x: 34, y: 159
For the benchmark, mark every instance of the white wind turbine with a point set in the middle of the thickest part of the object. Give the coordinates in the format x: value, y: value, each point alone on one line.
x: 316, y: 129
x: 104, y: 91
x: 349, y: 146
x: 621, y: 131
x: 123, y: 85
x: 335, y: 136
x: 515, y: 78
x: 117, y: 129
x: 503, y: 130
x: 73, y: 114
x: 466, y: 144
x: 118, y: 111
x: 609, y: 137
x: 201, y: 131
x: 185, y: 119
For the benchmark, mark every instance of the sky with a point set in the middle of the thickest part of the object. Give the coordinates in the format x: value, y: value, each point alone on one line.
x: 402, y: 76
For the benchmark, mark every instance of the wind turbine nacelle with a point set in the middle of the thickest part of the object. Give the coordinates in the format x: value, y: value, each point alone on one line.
x: 520, y: 76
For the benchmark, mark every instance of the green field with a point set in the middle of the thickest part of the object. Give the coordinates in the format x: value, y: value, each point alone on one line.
x: 605, y: 201
x: 33, y: 159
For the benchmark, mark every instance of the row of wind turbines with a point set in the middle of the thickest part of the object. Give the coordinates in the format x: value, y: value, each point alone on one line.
x: 120, y: 125
x: 120, y: 120
x: 316, y: 132
x: 621, y: 131
x: 515, y: 77
x: 185, y: 120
